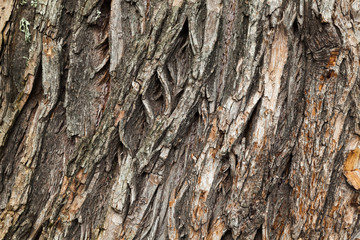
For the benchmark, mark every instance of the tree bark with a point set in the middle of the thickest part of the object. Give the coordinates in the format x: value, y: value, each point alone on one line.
x: 179, y: 119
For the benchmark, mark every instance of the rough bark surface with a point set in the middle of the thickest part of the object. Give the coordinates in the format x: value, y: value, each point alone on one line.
x: 179, y: 119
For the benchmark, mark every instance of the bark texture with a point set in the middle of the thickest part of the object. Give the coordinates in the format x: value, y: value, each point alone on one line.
x: 179, y: 119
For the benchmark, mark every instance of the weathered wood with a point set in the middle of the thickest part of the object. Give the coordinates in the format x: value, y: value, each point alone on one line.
x: 179, y: 119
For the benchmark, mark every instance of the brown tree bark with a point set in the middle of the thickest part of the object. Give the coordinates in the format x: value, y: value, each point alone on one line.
x: 179, y: 119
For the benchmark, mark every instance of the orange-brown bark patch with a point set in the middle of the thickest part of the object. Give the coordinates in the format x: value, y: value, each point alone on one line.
x: 301, y: 209
x: 351, y: 168
x: 119, y: 117
x: 172, y: 202
x: 313, y: 179
x: 217, y: 230
x: 64, y: 185
x: 333, y: 56
x: 353, y: 177
x: 321, y: 85
x: 313, y: 111
x: 231, y: 140
x: 81, y: 176
x: 47, y: 48
x: 319, y: 104
x: 334, y: 209
x: 352, y: 160
x: 73, y: 186
x: 333, y: 74
x: 213, y: 152
x: 213, y: 131
x: 203, y: 195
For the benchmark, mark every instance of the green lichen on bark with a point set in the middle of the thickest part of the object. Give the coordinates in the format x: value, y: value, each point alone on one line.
x: 25, y: 28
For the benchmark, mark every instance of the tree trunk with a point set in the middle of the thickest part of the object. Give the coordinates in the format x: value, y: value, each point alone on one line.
x: 179, y: 119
